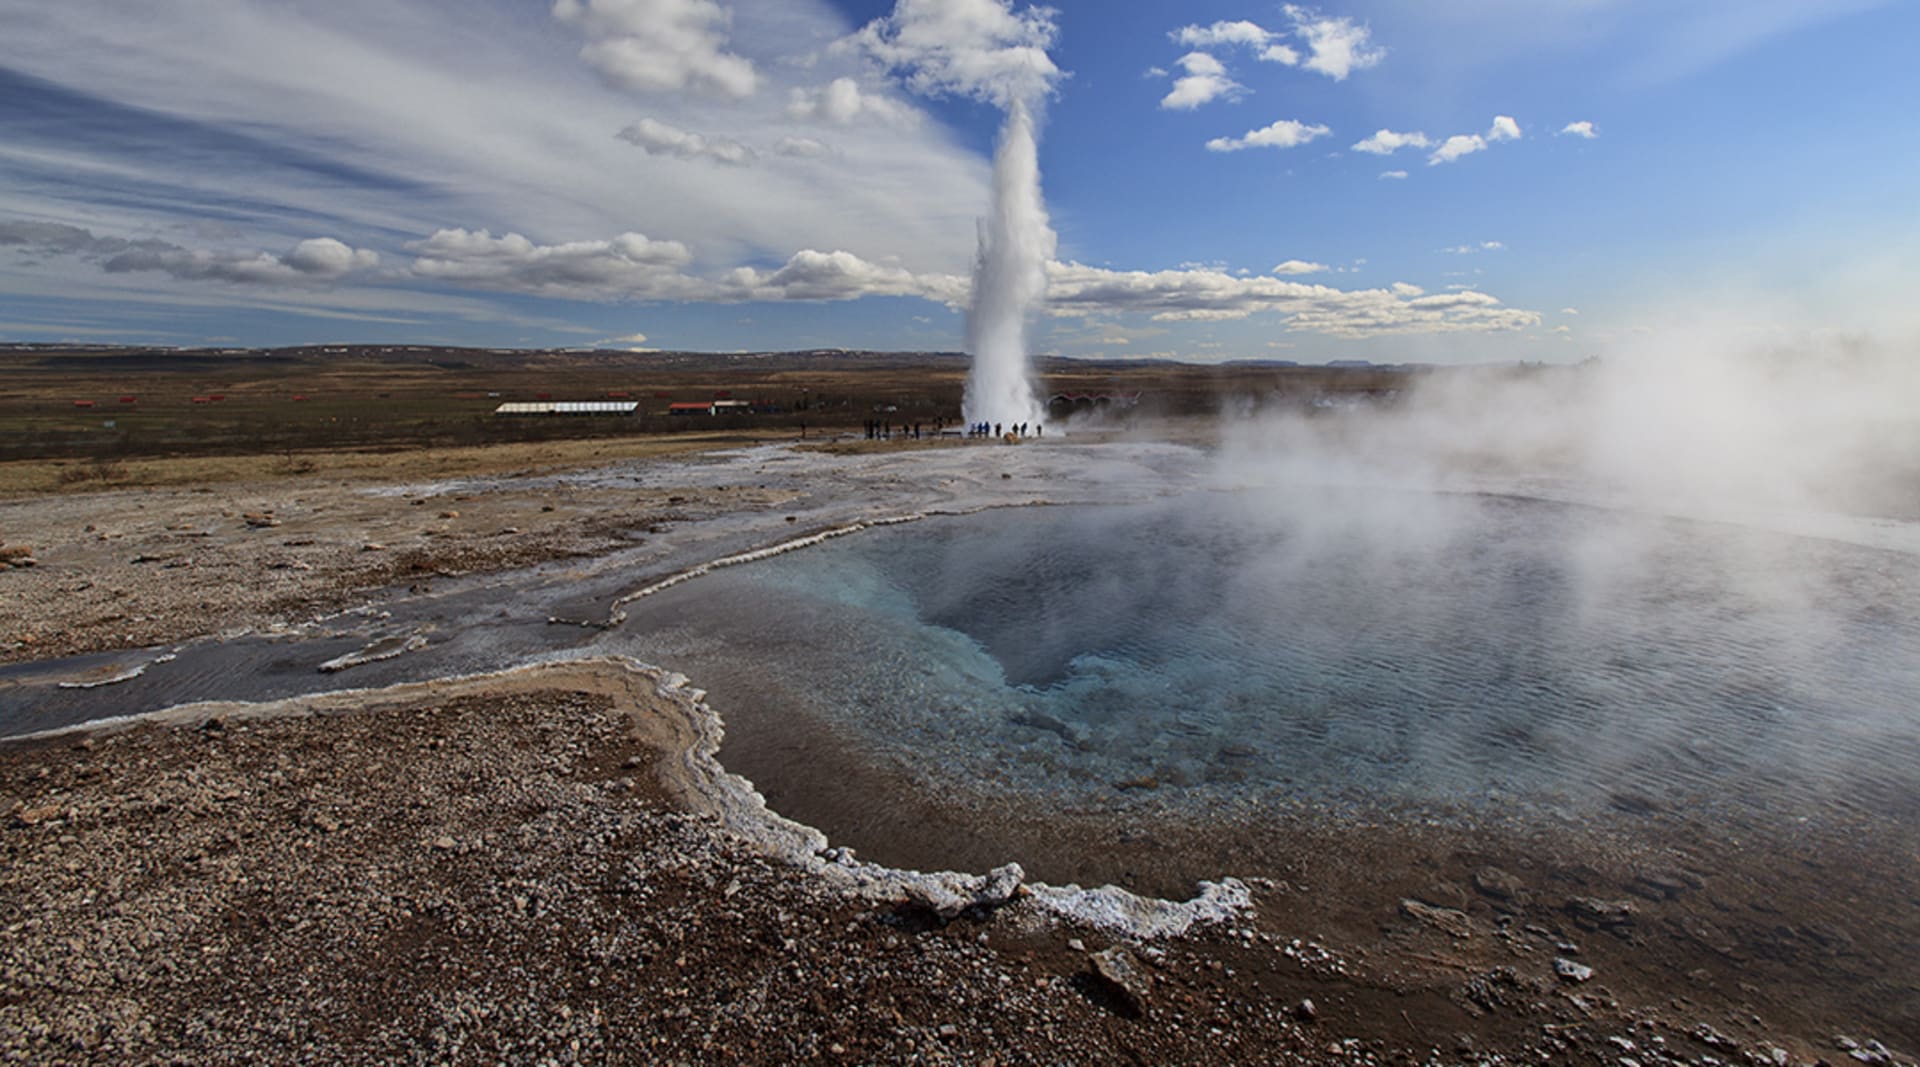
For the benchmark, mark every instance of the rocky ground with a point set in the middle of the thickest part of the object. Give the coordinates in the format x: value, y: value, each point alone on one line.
x: 131, y: 568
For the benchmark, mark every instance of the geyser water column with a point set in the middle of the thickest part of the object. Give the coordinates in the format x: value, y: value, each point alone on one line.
x: 1009, y: 280
x: 986, y: 50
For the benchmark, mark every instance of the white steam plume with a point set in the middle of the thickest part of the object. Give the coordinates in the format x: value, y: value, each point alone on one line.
x: 1009, y: 280
x: 986, y: 50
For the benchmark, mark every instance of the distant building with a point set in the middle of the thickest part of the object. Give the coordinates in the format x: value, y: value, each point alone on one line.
x: 690, y: 409
x: 568, y: 407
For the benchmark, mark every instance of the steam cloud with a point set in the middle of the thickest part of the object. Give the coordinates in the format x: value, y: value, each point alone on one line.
x: 983, y: 49
x: 1718, y: 484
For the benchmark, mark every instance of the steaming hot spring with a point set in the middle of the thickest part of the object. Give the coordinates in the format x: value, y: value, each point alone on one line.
x: 1200, y: 671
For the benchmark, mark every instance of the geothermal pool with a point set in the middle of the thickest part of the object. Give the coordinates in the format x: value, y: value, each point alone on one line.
x: 1357, y: 651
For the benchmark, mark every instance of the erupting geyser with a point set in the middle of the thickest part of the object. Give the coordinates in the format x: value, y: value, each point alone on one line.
x: 986, y: 50
x: 1009, y: 280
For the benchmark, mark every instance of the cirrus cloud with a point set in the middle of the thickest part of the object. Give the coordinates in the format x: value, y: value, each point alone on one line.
x: 659, y: 139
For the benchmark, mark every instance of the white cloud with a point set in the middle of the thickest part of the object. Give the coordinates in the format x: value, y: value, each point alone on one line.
x: 803, y: 148
x: 1393, y: 175
x: 316, y: 259
x: 1569, y: 311
x: 631, y: 264
x: 634, y: 267
x: 324, y: 257
x: 978, y: 48
x: 841, y: 101
x: 1468, y: 250
x: 1245, y: 34
x: 420, y: 135
x: 1201, y: 295
x: 1287, y: 133
x: 1205, y: 79
x: 1301, y: 266
x: 1460, y: 144
x: 1241, y: 33
x: 1337, y: 46
x: 1285, y: 55
x: 1386, y: 142
x: 659, y: 45
x: 1583, y: 129
x: 659, y: 139
x: 1504, y: 128
x: 811, y: 275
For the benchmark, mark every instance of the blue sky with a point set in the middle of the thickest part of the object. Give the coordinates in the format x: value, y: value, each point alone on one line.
x: 759, y: 174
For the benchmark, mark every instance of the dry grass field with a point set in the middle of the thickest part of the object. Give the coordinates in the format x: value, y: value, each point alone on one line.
x: 94, y: 417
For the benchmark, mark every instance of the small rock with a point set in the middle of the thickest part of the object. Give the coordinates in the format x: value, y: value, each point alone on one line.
x: 1076, y: 944
x: 1874, y: 1054
x: 449, y: 514
x: 373, y: 546
x: 1496, y: 883
x: 36, y: 816
x: 1116, y: 968
x: 1712, y: 1038
x: 1449, y: 921
x: 444, y: 843
x: 1571, y: 971
x: 1305, y: 1011
x: 1591, y: 911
